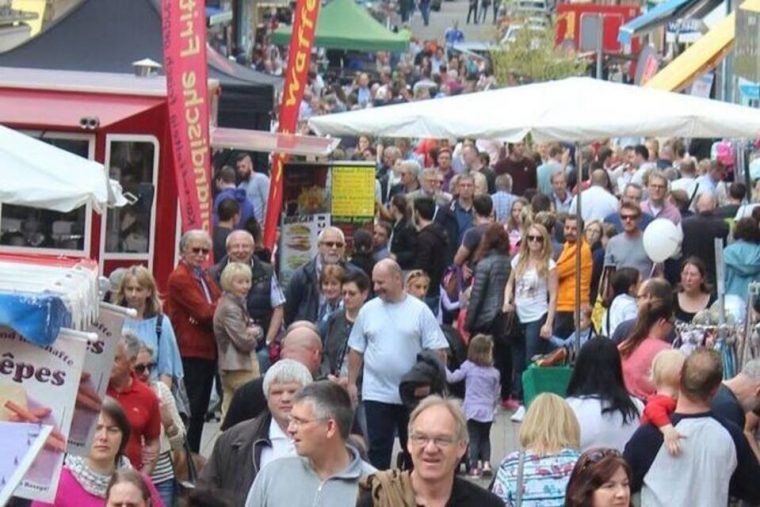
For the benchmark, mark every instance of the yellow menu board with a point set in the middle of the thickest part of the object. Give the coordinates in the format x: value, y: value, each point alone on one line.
x: 353, y: 191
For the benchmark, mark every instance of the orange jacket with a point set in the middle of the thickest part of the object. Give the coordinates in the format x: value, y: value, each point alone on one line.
x: 566, y: 276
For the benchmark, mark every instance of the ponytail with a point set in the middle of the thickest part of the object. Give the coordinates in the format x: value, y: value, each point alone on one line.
x: 649, y: 314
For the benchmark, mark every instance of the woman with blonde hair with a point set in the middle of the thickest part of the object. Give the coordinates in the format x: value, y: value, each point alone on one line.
x: 550, y: 438
x: 531, y: 293
x: 514, y: 225
x: 236, y: 334
x: 137, y: 290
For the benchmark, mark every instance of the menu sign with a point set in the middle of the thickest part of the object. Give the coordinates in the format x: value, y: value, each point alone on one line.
x: 353, y: 192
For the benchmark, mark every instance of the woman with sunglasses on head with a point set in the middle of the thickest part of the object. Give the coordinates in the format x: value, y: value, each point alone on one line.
x: 531, y: 292
x: 138, y: 290
x: 172, y: 427
x: 601, y: 478
x: 84, y: 479
x: 648, y: 338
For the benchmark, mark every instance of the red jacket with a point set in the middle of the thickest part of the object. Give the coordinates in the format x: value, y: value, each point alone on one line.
x: 191, y: 315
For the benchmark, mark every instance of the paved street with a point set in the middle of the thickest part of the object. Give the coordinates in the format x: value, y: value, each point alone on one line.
x: 450, y: 12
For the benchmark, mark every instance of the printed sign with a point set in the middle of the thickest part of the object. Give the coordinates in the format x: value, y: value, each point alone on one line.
x: 298, y: 242
x: 40, y: 385
x: 353, y: 192
x: 21, y: 443
x: 98, y: 362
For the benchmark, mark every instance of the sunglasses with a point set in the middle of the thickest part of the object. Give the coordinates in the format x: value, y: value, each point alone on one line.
x: 595, y: 456
x: 144, y: 368
x: 200, y: 250
x: 333, y: 244
x: 539, y: 239
x: 626, y: 218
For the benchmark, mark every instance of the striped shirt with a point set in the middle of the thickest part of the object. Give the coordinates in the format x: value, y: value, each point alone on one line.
x: 545, y: 478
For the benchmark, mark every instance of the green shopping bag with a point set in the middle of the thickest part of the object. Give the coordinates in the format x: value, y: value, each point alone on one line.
x: 547, y: 379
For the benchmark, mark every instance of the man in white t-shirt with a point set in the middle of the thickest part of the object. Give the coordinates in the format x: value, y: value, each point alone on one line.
x: 596, y: 201
x: 389, y: 332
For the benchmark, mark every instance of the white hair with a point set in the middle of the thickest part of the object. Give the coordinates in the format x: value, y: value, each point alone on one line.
x: 286, y: 371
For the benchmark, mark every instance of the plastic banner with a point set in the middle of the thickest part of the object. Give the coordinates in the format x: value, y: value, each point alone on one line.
x: 96, y: 373
x: 40, y: 385
x: 184, y: 38
x: 301, y: 41
x: 21, y: 442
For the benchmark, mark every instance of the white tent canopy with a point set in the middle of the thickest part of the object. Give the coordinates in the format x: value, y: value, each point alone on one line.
x: 573, y: 109
x: 35, y: 173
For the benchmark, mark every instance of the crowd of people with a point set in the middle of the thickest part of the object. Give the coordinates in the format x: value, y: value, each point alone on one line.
x: 467, y: 278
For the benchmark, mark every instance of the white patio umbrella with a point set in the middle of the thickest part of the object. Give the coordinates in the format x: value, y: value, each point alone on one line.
x: 573, y: 109
x: 35, y: 173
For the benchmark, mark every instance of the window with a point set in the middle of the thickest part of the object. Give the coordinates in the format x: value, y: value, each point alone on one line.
x: 27, y: 227
x: 129, y: 229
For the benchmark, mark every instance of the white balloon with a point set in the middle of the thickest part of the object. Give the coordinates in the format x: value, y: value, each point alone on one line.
x: 662, y: 238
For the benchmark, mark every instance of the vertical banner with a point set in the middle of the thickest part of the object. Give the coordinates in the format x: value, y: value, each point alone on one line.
x: 22, y: 442
x: 299, y: 57
x: 96, y: 373
x: 184, y: 40
x: 40, y: 385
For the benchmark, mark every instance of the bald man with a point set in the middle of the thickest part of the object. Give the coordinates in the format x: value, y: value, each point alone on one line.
x: 596, y: 201
x: 301, y: 343
x: 389, y: 332
x: 700, y: 231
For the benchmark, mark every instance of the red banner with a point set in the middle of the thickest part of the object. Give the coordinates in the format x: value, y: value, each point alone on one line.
x: 301, y: 41
x: 184, y: 39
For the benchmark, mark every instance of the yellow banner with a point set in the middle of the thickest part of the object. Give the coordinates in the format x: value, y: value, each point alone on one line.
x: 353, y: 191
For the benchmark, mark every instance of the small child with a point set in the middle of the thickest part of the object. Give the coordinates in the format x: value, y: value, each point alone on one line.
x: 666, y: 377
x: 586, y: 331
x: 482, y: 390
x: 417, y: 283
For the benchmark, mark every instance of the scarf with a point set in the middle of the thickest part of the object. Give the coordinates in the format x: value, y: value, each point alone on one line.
x: 90, y: 480
x: 391, y: 488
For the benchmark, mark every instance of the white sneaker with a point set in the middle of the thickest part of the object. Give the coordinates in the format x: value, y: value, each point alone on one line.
x: 518, y: 415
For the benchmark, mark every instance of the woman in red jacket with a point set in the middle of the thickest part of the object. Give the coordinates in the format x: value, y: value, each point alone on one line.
x: 190, y: 304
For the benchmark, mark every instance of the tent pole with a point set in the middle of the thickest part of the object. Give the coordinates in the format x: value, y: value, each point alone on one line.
x: 578, y: 244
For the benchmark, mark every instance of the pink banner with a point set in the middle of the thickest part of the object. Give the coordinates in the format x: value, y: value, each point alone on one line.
x: 184, y: 38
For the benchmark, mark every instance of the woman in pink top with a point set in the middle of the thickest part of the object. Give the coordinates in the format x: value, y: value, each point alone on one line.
x: 655, y: 321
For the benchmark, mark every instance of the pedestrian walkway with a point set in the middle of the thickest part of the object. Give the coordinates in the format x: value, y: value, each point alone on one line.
x: 450, y: 12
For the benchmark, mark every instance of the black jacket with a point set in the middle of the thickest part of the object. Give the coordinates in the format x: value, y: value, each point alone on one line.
x: 446, y: 219
x: 302, y: 294
x: 404, y: 244
x: 431, y: 241
x: 699, y: 231
x: 234, y: 462
x: 487, y: 296
x: 463, y: 494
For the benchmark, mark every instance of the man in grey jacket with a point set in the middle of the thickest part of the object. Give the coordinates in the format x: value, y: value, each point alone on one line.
x: 327, y: 470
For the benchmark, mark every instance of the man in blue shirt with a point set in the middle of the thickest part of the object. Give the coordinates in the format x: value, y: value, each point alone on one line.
x: 454, y: 35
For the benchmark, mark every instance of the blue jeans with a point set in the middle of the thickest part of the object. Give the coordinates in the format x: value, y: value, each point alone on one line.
x: 263, y: 356
x: 166, y: 491
x: 425, y: 10
x: 384, y: 421
x: 525, y: 346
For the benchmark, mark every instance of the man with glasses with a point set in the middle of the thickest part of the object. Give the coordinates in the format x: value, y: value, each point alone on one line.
x: 303, y: 297
x: 632, y: 192
x: 432, y: 184
x: 327, y: 469
x: 657, y: 205
x: 437, y: 441
x: 190, y: 304
x: 627, y: 249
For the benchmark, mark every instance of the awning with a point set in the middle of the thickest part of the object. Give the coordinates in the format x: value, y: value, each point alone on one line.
x: 669, y: 10
x: 259, y: 140
x: 217, y: 16
x: 699, y: 58
x: 31, y: 109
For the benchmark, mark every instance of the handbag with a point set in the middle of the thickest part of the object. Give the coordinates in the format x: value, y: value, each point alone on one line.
x: 186, y: 465
x: 178, y: 385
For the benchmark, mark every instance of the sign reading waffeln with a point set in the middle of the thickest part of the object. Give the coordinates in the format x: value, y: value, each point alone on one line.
x: 40, y: 385
x: 353, y: 191
x: 301, y: 41
x: 184, y: 41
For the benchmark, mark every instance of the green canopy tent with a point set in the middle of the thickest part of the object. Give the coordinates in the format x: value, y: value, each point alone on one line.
x: 343, y: 24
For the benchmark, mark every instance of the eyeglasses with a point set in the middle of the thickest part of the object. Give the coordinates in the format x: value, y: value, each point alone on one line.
x: 200, y: 250
x: 144, y: 368
x: 300, y: 423
x: 333, y: 244
x: 539, y: 239
x: 626, y: 218
x: 421, y: 440
x: 595, y: 456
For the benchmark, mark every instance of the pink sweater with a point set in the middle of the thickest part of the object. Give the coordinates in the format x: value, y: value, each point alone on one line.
x: 637, y: 366
x: 71, y: 494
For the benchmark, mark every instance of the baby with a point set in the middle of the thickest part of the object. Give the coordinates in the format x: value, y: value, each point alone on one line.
x: 666, y: 377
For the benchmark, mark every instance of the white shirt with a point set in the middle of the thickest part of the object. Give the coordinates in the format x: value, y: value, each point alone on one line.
x: 686, y: 184
x: 596, y: 204
x: 390, y: 335
x: 531, y: 293
x: 282, y: 445
x: 603, y: 430
x: 623, y: 308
